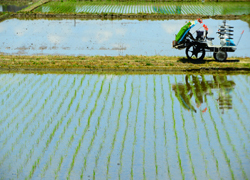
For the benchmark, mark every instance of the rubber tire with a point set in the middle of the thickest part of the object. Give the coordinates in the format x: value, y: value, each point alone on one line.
x: 220, y: 56
x: 201, y: 50
x: 214, y: 55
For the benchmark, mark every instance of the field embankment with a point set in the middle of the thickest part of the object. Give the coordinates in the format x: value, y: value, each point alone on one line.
x: 119, y: 63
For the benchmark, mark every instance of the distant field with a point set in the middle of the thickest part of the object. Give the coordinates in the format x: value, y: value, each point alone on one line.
x: 133, y: 7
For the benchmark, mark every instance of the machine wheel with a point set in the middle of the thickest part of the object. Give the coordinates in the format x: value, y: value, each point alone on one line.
x: 220, y: 56
x: 195, y: 51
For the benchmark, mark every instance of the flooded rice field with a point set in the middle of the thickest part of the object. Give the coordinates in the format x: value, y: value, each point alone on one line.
x: 11, y: 8
x: 124, y: 126
x: 130, y: 7
x: 106, y: 37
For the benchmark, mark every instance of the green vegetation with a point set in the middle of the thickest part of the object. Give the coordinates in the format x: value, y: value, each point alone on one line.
x: 105, y: 8
x: 124, y: 126
x: 117, y: 63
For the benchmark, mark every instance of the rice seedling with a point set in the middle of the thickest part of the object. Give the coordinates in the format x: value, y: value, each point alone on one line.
x: 96, y: 127
x: 59, y: 127
x: 21, y: 134
x: 126, y: 129
x: 230, y: 142
x: 175, y: 131
x: 135, y: 139
x: 164, y: 127
x: 85, y: 130
x: 105, y: 131
x: 42, y: 132
x: 186, y: 135
x: 117, y: 128
x: 144, y: 129
x: 61, y: 138
x: 19, y: 101
x: 219, y: 140
x: 155, y: 152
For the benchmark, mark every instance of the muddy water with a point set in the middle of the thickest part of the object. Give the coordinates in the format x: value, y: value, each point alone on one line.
x: 111, y: 38
x: 128, y: 126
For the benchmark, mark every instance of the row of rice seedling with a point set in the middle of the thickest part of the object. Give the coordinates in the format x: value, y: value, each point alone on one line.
x: 11, y: 117
x: 121, y: 127
x: 24, y: 127
x: 230, y: 143
x: 186, y: 137
x: 61, y: 142
x: 125, y: 132
x: 155, y: 135
x: 34, y: 127
x: 130, y: 7
x: 104, y: 137
x: 164, y: 127
x: 64, y: 128
x: 89, y: 147
x: 36, y: 163
x: 6, y: 84
x: 207, y: 134
x: 135, y: 136
x: 48, y: 161
x: 116, y: 129
x: 18, y: 95
x: 175, y: 132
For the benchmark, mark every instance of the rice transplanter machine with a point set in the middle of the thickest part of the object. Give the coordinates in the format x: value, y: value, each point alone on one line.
x: 197, y: 47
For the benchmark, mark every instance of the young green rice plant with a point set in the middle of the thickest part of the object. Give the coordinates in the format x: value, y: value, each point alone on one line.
x: 19, y: 101
x: 126, y: 129
x: 85, y: 130
x: 106, y: 127
x: 144, y: 128
x: 186, y: 135
x: 59, y: 167
x: 229, y: 140
x: 23, y: 131
x: 117, y: 128
x: 156, y: 166
x: 175, y: 130
x: 165, y: 133
x: 134, y: 142
x: 34, y: 168
x: 219, y: 140
x: 96, y: 128
x: 42, y: 132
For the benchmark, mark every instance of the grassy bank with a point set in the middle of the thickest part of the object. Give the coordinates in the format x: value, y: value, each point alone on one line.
x: 120, y: 63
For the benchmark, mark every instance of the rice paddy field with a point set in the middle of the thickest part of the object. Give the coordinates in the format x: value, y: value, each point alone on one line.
x: 137, y: 7
x: 109, y: 126
x: 88, y: 37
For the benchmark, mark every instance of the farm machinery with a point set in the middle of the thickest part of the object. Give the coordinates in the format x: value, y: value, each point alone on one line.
x: 197, y: 47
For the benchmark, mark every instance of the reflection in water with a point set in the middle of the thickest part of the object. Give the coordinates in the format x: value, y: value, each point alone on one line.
x: 110, y: 37
x: 200, y: 88
x: 11, y: 8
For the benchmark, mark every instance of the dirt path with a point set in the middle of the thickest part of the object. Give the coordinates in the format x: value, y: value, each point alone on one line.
x: 120, y: 63
x: 34, y: 6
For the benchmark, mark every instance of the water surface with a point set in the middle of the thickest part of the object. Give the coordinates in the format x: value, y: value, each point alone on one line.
x: 128, y: 126
x: 108, y: 37
x: 12, y: 8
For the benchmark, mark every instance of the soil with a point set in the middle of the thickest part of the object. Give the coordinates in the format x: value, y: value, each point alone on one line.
x: 120, y: 63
